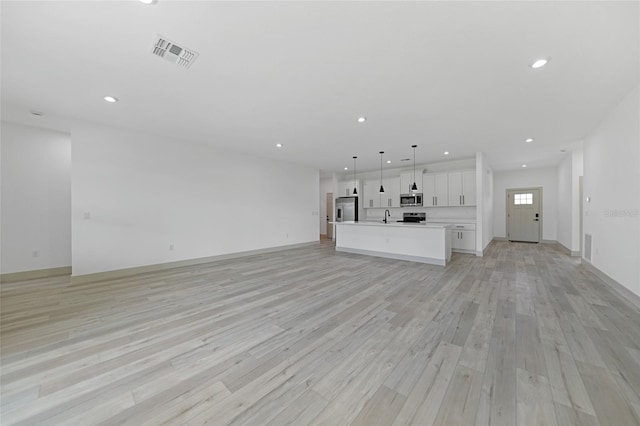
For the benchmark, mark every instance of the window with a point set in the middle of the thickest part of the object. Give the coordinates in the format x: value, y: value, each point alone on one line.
x: 522, y: 199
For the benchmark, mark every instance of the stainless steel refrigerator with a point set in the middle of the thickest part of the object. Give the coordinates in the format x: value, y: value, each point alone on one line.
x: 346, y: 209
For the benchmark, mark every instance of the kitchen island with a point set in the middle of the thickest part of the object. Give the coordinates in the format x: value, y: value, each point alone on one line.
x: 415, y: 242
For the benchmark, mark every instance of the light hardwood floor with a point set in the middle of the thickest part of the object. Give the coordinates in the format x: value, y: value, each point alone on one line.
x: 523, y: 336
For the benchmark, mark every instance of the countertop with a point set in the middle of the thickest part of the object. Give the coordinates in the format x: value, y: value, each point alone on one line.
x: 396, y: 224
x: 460, y: 221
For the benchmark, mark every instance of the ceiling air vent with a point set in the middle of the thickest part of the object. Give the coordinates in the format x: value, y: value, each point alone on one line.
x: 173, y: 52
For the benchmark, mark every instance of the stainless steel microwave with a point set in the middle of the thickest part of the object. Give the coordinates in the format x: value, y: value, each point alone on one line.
x: 410, y: 200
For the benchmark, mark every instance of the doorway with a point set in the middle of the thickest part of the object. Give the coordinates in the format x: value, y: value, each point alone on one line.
x: 524, y: 215
x: 329, y: 215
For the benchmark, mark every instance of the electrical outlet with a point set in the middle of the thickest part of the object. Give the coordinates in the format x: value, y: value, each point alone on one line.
x: 171, y: 247
x: 36, y: 253
x: 87, y: 215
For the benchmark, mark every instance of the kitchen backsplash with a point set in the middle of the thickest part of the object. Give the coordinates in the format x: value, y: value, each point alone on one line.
x: 468, y: 213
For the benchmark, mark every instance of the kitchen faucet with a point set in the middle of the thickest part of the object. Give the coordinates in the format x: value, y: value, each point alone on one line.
x: 385, y: 215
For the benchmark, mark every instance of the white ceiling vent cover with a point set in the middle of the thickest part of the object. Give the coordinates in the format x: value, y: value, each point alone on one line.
x: 173, y: 52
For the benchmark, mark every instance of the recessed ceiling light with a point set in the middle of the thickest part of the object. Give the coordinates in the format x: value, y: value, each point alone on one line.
x: 110, y: 99
x: 279, y: 145
x: 346, y: 168
x: 446, y: 153
x: 388, y: 161
x: 539, y: 63
x: 147, y: 1
x: 528, y: 140
x: 362, y: 119
x: 524, y: 165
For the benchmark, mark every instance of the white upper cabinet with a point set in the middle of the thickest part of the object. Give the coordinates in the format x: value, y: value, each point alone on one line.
x: 345, y: 189
x: 462, y: 188
x: 391, y: 196
x: 373, y: 199
x: 371, y: 194
x: 406, y: 180
x: 436, y: 189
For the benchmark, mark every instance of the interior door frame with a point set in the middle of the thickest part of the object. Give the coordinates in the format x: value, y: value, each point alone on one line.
x: 329, y: 213
x: 506, y: 213
x: 581, y: 205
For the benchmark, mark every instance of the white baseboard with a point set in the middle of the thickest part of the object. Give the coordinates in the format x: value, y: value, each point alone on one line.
x: 32, y: 275
x: 567, y: 250
x: 127, y: 272
x: 615, y: 285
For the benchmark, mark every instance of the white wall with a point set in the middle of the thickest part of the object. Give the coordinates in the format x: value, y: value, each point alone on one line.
x: 565, y: 188
x: 36, y: 198
x: 569, y: 171
x: 547, y: 178
x: 145, y: 192
x: 484, y: 177
x: 612, y: 182
x: 577, y: 171
x: 326, y: 186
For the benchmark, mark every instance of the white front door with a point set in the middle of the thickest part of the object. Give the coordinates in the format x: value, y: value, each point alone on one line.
x: 524, y: 215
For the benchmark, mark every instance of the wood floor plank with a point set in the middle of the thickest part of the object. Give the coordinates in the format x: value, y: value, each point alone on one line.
x: 422, y: 404
x: 301, y: 411
x: 498, y: 396
x: 381, y: 409
x: 608, y: 402
x: 460, y: 404
x: 534, y: 403
x: 529, y: 351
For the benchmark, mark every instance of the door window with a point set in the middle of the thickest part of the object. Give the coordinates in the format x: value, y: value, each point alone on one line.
x: 523, y: 199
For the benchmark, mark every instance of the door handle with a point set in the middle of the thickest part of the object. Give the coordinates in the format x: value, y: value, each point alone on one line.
x: 463, y: 199
x: 460, y: 199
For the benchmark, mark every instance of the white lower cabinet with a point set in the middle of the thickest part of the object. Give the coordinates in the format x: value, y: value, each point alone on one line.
x: 463, y: 238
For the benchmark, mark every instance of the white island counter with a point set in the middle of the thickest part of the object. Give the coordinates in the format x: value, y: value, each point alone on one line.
x: 415, y: 242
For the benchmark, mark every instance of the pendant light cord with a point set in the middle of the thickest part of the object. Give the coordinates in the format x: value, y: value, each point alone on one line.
x: 381, y: 187
x: 414, y: 163
x: 355, y: 192
x: 414, y: 187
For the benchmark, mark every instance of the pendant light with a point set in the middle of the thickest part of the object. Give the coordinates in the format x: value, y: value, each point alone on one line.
x: 381, y: 187
x: 355, y: 190
x: 414, y: 187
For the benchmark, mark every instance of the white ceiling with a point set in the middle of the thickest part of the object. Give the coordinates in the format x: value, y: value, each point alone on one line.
x: 449, y: 76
